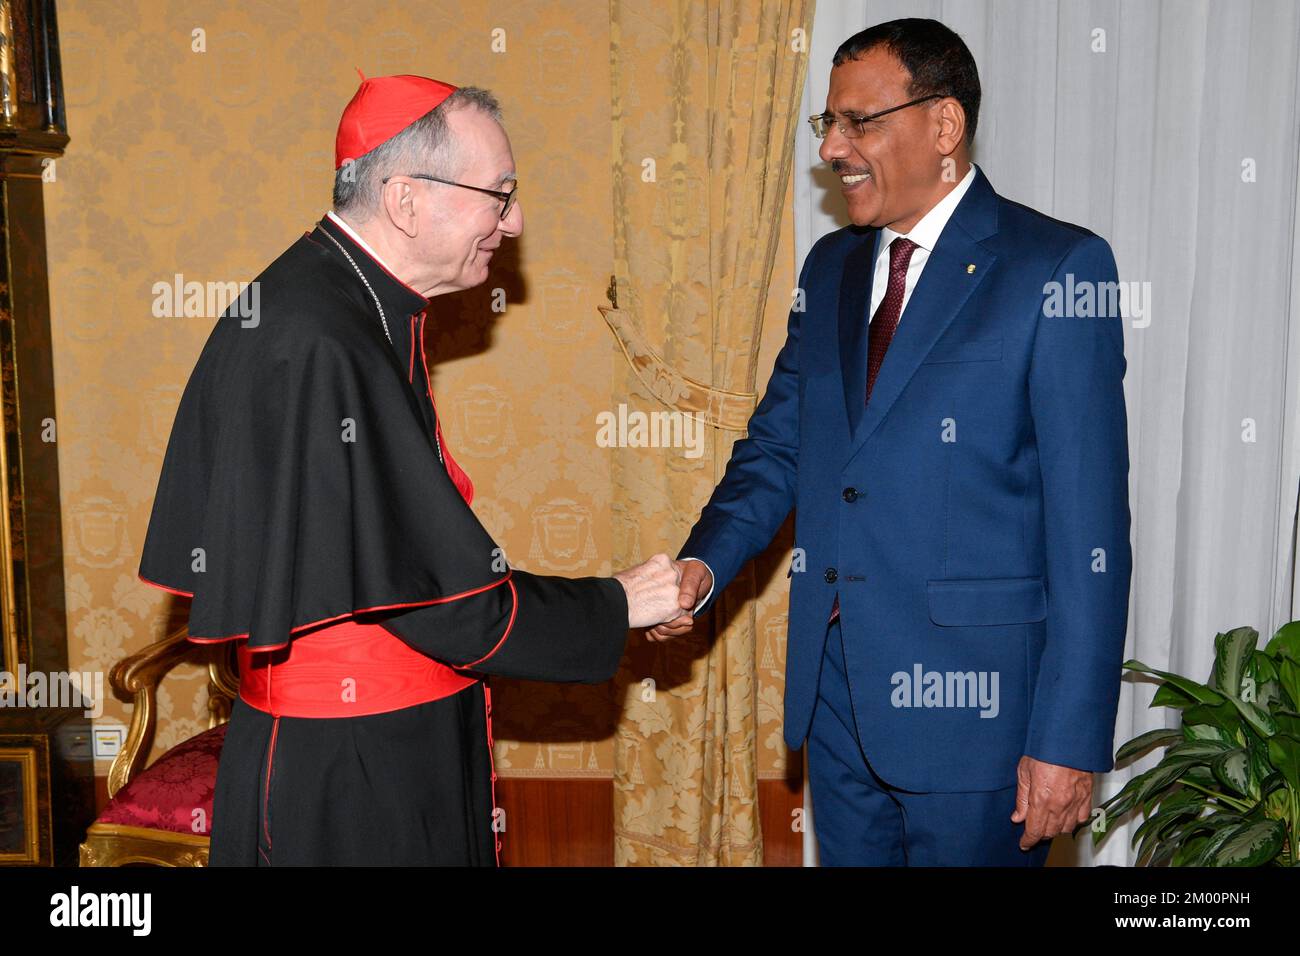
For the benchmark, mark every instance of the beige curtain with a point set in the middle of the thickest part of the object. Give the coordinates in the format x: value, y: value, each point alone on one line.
x: 705, y: 98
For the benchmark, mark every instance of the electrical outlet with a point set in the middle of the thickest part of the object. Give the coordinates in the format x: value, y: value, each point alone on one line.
x: 109, y: 737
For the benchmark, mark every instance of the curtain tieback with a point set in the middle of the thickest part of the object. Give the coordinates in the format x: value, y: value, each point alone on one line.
x: 718, y: 406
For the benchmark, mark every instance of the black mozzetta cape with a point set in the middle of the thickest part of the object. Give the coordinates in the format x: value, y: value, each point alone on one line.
x: 303, y: 483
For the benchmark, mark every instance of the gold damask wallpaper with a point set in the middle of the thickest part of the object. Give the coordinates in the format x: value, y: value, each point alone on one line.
x: 202, y: 143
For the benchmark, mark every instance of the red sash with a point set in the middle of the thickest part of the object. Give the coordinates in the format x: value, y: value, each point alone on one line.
x: 344, y: 670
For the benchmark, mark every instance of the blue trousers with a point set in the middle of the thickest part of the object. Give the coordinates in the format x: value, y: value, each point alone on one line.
x: 860, y: 820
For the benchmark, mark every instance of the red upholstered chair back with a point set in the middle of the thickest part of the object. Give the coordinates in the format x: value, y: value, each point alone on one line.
x: 162, y: 814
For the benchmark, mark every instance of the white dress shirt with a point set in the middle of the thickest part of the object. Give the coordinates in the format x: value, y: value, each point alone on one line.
x: 925, y: 234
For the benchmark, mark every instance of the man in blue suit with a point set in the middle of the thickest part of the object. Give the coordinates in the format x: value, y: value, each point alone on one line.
x: 947, y: 420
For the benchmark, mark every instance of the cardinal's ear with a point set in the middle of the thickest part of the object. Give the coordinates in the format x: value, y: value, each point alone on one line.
x: 399, y: 200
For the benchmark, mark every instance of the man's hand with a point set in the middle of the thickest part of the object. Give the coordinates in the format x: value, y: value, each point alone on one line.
x: 695, y: 583
x: 1050, y: 800
x: 652, y: 590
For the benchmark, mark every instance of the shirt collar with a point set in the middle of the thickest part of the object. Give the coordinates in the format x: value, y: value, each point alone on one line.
x: 927, y: 231
x: 398, y: 299
x: 356, y: 237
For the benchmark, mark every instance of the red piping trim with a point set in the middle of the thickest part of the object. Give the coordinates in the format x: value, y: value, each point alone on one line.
x: 266, y: 804
x: 238, y: 637
x: 514, y: 609
x: 165, y: 587
x: 492, y: 763
x: 337, y: 617
x: 410, y: 371
x: 428, y: 382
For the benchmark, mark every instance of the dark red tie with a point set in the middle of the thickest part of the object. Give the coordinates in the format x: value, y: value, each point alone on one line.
x: 884, y: 323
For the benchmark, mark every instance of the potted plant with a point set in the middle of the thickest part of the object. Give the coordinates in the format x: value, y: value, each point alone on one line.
x: 1227, y: 790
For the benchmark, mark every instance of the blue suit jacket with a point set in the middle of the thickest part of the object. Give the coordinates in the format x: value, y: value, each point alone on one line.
x: 972, y: 518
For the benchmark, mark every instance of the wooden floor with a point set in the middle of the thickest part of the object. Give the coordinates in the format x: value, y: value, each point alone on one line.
x: 571, y: 822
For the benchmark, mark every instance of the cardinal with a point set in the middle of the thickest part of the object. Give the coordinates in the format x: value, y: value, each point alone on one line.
x: 311, y: 511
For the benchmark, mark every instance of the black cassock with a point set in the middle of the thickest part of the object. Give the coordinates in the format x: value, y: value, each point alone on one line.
x: 304, y: 483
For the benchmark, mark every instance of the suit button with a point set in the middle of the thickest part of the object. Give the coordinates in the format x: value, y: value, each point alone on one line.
x: 831, y: 576
x: 850, y: 494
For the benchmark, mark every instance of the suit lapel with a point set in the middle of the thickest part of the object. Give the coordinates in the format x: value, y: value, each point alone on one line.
x: 855, y: 299
x: 943, y: 289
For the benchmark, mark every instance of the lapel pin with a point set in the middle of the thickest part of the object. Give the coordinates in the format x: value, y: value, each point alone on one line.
x: 970, y: 269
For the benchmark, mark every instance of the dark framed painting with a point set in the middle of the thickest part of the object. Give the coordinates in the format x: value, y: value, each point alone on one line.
x: 24, y: 775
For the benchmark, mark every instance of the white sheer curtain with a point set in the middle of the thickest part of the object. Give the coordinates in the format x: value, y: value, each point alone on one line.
x: 1171, y: 129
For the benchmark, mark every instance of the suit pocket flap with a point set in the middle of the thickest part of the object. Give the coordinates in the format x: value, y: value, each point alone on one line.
x: 973, y: 601
x: 986, y: 350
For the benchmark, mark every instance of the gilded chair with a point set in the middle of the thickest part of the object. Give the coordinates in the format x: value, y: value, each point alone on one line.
x: 161, y: 815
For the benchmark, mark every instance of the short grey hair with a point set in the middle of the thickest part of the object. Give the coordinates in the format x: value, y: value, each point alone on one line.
x: 424, y: 147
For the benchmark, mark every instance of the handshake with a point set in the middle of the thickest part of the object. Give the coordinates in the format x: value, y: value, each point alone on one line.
x: 662, y: 594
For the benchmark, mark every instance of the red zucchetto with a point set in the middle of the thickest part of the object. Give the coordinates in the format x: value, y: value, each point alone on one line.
x: 382, y: 107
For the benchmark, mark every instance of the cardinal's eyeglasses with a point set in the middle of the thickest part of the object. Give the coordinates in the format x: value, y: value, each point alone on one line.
x: 507, y: 198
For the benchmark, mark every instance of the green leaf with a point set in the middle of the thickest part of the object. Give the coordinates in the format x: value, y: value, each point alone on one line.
x: 1150, y: 840
x: 1284, y: 754
x: 1122, y: 802
x: 1252, y: 844
x: 1190, y: 850
x: 1210, y: 748
x: 1231, y: 652
x: 1167, y: 695
x: 1146, y: 741
x: 1205, y: 732
x: 1156, y: 826
x: 1188, y: 686
x: 1145, y: 827
x: 1125, y: 800
x: 1274, y: 781
x: 1285, y: 642
x: 1160, y: 777
x: 1170, y: 845
x: 1200, y: 776
x: 1216, y: 821
x: 1262, y: 667
x: 1267, y: 693
x: 1258, y: 718
x: 1184, y: 797
x: 1288, y: 675
x: 1189, y: 838
x: 1216, y: 840
x: 1287, y: 724
x: 1260, y: 767
x: 1212, y: 822
x: 1200, y: 752
x: 1224, y: 716
x: 1233, y: 770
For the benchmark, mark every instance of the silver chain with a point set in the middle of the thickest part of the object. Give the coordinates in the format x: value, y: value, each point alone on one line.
x: 437, y: 442
x: 362, y: 275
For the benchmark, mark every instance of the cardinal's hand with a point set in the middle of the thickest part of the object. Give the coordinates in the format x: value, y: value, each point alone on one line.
x: 696, y: 581
x: 1050, y: 799
x: 652, y: 590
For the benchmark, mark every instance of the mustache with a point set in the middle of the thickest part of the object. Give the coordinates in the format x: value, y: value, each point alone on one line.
x: 842, y: 168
